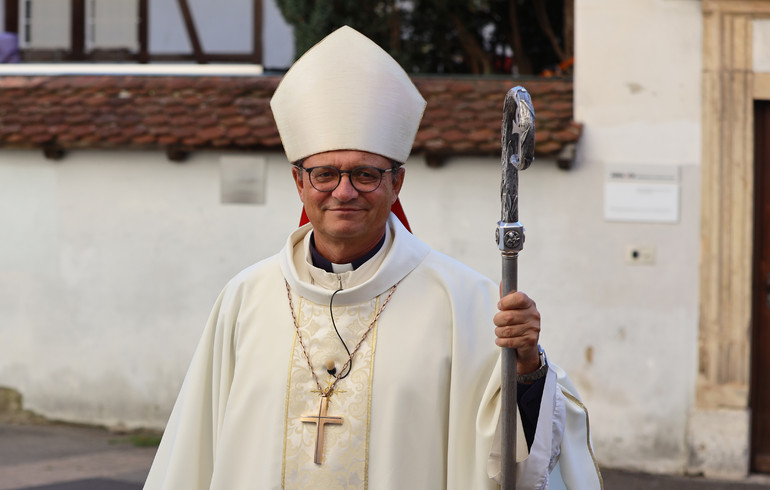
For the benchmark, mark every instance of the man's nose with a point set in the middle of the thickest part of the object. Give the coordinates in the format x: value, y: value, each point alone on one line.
x: 345, y: 190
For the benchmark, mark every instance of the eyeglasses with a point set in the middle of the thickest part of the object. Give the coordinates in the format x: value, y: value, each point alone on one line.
x: 363, y: 179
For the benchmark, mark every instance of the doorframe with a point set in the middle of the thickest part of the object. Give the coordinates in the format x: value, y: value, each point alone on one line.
x: 729, y: 88
x: 761, y: 150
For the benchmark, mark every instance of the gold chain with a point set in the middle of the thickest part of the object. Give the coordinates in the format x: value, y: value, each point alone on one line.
x: 330, y: 390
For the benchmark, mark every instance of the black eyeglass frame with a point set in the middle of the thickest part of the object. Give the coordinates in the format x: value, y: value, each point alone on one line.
x: 382, y: 172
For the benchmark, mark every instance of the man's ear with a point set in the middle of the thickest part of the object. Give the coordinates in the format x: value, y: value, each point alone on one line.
x: 398, y: 181
x: 298, y: 181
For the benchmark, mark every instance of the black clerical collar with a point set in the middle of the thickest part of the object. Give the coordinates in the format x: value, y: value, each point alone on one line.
x: 323, y: 263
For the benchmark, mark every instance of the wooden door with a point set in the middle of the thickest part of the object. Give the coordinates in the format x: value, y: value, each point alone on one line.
x: 760, y: 372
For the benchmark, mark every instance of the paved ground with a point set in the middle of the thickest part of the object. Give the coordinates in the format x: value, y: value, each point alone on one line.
x: 621, y: 480
x: 58, y: 457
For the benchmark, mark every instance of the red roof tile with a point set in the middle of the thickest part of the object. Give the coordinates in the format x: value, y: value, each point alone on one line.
x: 463, y: 116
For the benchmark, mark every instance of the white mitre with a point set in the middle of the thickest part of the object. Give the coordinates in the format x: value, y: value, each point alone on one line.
x: 347, y: 93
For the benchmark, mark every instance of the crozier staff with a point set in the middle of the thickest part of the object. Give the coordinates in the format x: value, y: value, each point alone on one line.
x: 357, y: 357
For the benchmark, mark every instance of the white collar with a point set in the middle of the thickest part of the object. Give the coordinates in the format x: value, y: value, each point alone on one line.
x: 399, y: 255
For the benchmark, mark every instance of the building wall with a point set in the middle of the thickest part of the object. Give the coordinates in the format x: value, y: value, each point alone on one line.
x: 110, y: 263
x: 637, y: 92
x: 116, y: 259
x: 113, y: 259
x: 167, y: 32
x: 761, y: 43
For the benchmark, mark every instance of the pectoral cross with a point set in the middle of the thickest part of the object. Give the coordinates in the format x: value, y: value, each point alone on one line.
x: 321, y: 420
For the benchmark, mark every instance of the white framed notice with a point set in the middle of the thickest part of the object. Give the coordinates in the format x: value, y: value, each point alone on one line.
x: 641, y: 193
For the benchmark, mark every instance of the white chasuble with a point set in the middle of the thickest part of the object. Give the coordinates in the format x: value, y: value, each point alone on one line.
x: 419, y: 410
x: 344, y: 447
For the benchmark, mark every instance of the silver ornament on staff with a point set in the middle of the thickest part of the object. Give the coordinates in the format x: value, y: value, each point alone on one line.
x: 518, y: 142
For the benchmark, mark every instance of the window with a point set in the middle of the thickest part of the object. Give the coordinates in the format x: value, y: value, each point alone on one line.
x: 42, y: 25
x: 120, y: 30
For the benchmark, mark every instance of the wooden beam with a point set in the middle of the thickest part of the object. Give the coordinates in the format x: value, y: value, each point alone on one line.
x: 12, y: 16
x: 191, y: 32
x: 144, y: 52
x: 78, y: 19
x: 215, y: 57
x: 177, y: 154
x: 257, y: 32
x: 53, y: 152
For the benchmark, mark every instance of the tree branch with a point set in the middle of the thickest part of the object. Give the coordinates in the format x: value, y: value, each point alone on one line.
x: 479, y: 60
x: 545, y: 26
x: 519, y: 53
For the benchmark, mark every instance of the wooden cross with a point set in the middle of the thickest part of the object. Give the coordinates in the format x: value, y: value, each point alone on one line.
x: 321, y: 420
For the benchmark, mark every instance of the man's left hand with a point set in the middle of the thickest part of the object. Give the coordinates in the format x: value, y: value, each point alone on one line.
x: 518, y: 327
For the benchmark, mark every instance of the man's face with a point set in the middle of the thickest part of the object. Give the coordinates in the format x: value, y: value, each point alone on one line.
x: 346, y: 217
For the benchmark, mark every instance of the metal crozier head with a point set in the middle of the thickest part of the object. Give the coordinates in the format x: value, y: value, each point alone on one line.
x: 518, y: 128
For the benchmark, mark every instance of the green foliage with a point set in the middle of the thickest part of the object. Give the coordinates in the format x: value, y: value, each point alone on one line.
x: 442, y: 36
x: 145, y: 440
x: 140, y: 440
x: 314, y: 19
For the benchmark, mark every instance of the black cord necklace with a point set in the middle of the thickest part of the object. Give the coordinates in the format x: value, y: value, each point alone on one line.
x: 322, y: 262
x: 333, y: 370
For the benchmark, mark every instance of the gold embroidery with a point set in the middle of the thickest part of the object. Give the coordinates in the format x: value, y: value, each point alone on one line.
x: 286, y: 411
x: 588, y: 434
x: 369, y: 406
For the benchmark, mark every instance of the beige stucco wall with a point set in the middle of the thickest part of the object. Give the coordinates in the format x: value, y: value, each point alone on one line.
x: 110, y: 264
x: 116, y: 258
x: 637, y: 91
x: 112, y: 261
x: 761, y: 44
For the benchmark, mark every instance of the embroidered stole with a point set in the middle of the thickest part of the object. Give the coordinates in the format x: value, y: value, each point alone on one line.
x: 345, y: 446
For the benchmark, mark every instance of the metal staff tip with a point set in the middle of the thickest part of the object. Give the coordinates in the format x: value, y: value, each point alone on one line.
x: 518, y: 148
x: 518, y: 128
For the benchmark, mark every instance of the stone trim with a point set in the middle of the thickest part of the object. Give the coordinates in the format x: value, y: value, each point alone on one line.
x: 726, y: 204
x: 727, y: 201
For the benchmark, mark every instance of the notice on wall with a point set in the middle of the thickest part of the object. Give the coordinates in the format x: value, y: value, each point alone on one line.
x: 242, y: 179
x: 639, y: 193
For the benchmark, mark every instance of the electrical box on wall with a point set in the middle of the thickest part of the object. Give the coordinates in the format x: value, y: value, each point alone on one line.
x: 640, y: 255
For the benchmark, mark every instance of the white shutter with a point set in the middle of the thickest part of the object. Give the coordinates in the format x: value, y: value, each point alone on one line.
x: 45, y: 24
x: 112, y: 24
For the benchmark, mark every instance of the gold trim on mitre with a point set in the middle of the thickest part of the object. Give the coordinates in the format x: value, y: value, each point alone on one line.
x: 347, y: 93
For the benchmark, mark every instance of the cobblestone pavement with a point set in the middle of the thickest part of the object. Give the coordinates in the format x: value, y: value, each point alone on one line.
x: 65, y: 457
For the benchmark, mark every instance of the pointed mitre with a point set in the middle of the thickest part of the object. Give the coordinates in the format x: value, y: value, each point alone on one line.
x: 347, y: 93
